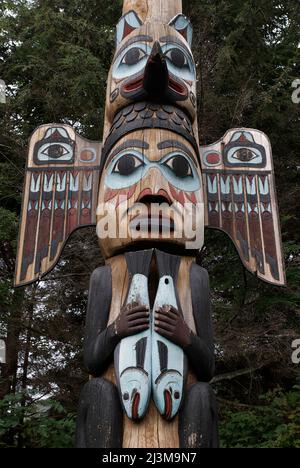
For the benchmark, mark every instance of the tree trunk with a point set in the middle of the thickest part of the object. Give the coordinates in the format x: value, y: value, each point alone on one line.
x: 9, y: 372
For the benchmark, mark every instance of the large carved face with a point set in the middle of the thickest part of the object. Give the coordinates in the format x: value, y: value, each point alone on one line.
x: 152, y: 185
x: 153, y: 62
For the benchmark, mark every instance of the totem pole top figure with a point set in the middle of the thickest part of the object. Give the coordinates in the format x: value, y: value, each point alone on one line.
x: 151, y: 89
x: 153, y: 59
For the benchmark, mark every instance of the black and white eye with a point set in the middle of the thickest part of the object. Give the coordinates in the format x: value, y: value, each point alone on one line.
x: 177, y: 57
x: 180, y: 166
x: 133, y: 56
x: 56, y: 151
x: 127, y: 165
x: 245, y: 155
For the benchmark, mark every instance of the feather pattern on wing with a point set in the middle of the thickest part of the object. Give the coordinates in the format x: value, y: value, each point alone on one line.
x: 241, y: 199
x: 60, y: 195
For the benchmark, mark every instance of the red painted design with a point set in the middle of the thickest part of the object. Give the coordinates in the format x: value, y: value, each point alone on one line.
x: 87, y: 156
x: 118, y: 196
x: 213, y: 214
x: 191, y: 197
x: 241, y: 232
x: 270, y: 241
x: 177, y: 195
x: 43, y: 236
x: 255, y: 238
x: 127, y: 30
x: 213, y: 159
x: 29, y: 238
x: 58, y: 228
x: 86, y: 201
x: 72, y: 209
x: 227, y: 217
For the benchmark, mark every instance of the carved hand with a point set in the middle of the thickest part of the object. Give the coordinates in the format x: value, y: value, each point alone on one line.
x: 170, y: 324
x: 133, y: 319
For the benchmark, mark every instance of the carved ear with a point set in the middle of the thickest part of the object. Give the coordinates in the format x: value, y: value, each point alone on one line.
x: 126, y: 25
x: 183, y: 25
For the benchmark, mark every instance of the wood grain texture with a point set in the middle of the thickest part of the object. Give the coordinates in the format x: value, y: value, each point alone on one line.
x: 153, y: 182
x: 153, y: 431
x: 151, y: 10
x: 60, y: 195
x: 126, y: 85
x: 240, y: 199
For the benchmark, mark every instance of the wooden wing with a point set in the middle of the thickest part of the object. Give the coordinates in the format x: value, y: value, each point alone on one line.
x: 239, y: 188
x: 60, y: 195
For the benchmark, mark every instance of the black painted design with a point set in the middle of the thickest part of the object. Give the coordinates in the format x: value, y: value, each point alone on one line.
x: 145, y: 116
x: 141, y: 352
x: 163, y: 356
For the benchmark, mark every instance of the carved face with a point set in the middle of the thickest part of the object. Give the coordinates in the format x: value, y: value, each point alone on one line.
x: 153, y: 185
x: 153, y: 62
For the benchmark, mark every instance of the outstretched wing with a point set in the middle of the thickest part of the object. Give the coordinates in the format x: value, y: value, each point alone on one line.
x: 60, y: 195
x: 241, y: 200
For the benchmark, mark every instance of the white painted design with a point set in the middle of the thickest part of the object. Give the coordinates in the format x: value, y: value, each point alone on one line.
x: 74, y: 183
x: 48, y: 183
x: 238, y: 185
x: 237, y: 135
x: 212, y: 186
x: 251, y: 209
x: 72, y: 204
x: 237, y: 209
x: 263, y: 186
x: 87, y: 183
x: 63, y: 133
x: 251, y: 186
x: 61, y: 183
x: 35, y: 184
x: 225, y: 185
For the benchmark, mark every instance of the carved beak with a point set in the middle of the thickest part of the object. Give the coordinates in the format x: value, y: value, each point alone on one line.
x: 156, y: 76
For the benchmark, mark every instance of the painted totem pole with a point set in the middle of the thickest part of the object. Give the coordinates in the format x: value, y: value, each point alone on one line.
x: 149, y: 343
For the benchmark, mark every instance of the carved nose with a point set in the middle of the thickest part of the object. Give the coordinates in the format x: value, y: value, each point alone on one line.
x: 156, y: 76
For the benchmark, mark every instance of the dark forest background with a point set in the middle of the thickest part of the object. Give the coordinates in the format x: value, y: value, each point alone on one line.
x: 54, y: 58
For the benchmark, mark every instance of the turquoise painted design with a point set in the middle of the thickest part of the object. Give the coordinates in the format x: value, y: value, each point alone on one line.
x: 168, y: 359
x: 130, y: 166
x: 133, y: 359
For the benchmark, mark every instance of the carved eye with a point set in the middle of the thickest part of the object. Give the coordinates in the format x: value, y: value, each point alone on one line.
x: 180, y: 166
x: 245, y: 155
x: 177, y: 57
x: 127, y: 164
x: 133, y: 56
x: 55, y: 151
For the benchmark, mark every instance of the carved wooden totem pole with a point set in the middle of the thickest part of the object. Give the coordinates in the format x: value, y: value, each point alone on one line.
x: 149, y: 342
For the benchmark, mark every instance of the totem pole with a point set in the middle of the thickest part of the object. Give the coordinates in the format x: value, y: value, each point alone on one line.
x: 149, y: 343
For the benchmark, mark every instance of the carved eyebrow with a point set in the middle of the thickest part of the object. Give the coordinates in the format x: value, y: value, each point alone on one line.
x: 127, y: 144
x: 133, y: 40
x: 176, y: 144
x: 174, y: 40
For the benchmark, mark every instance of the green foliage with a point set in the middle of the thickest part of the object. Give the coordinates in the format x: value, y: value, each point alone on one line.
x: 38, y: 425
x: 55, y: 56
x: 276, y: 424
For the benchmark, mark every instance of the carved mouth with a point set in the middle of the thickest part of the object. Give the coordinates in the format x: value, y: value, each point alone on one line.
x: 135, y: 406
x: 168, y: 405
x: 134, y: 85
x: 150, y: 224
x: 177, y: 87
